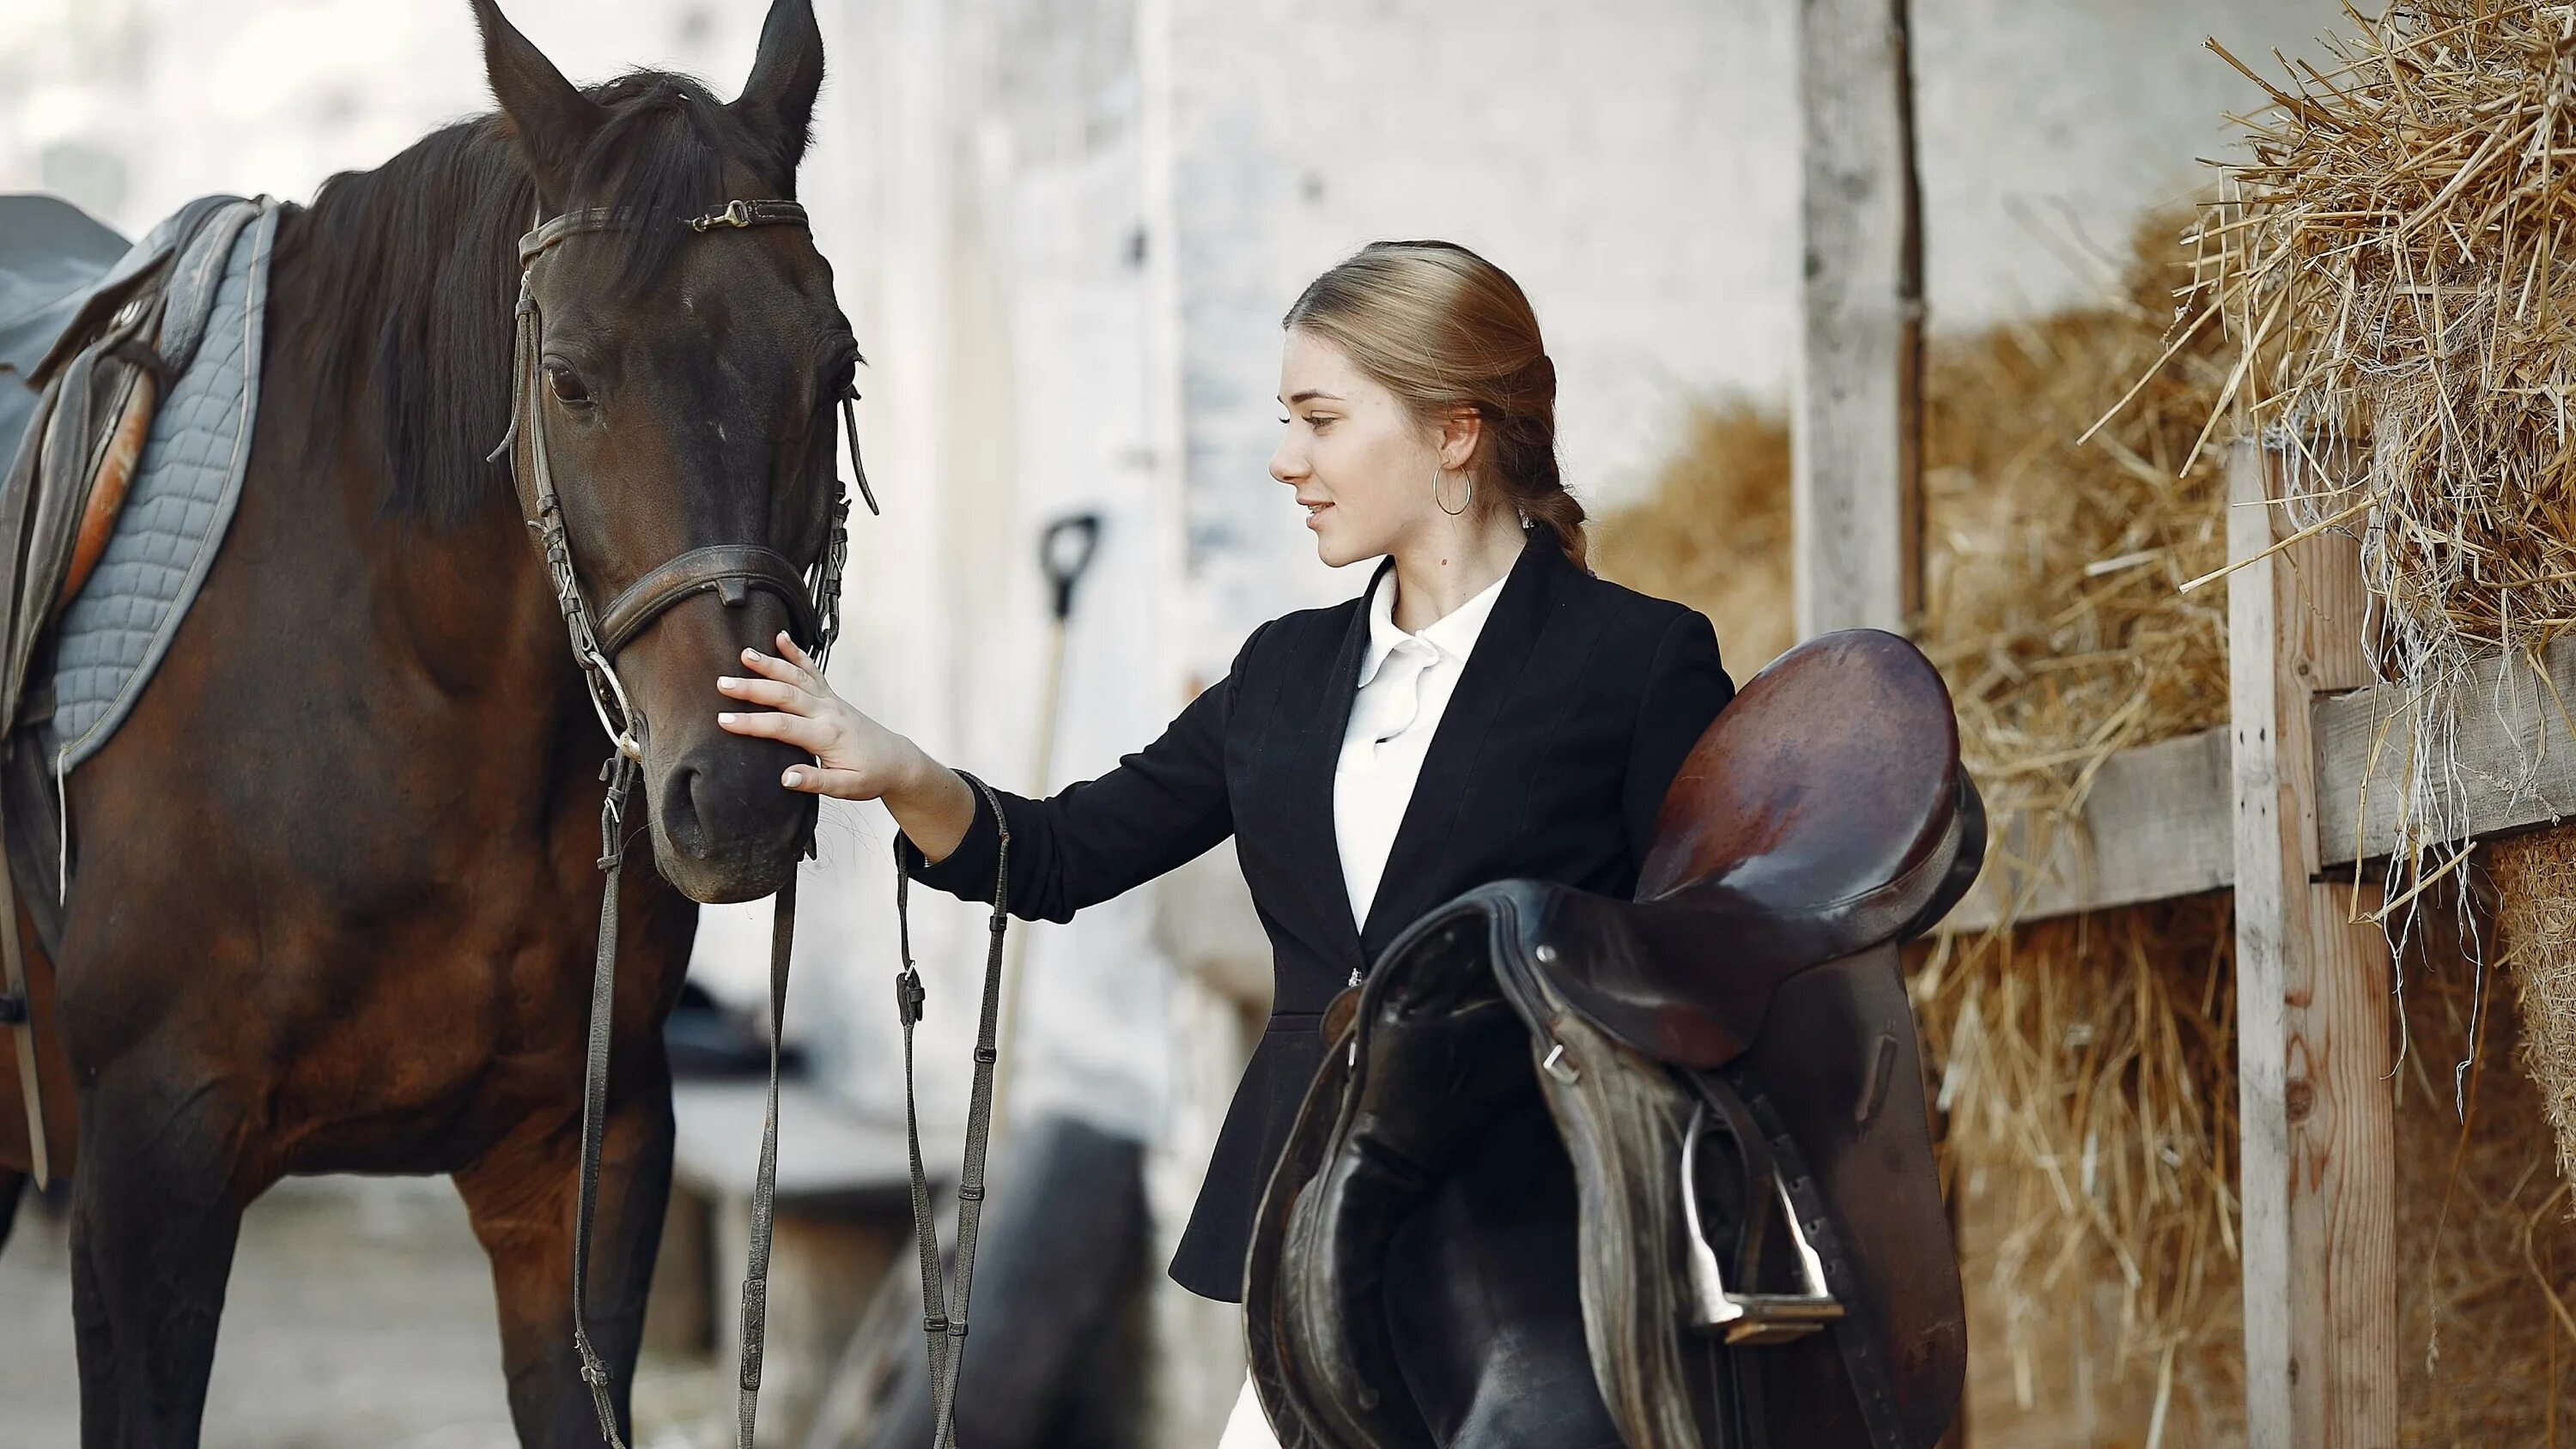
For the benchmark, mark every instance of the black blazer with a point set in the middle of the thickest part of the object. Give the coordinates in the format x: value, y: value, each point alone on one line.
x: 1572, y: 714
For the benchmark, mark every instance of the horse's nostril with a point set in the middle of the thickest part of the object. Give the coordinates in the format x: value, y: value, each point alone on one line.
x: 681, y: 819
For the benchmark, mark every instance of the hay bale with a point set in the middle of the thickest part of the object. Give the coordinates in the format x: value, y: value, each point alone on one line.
x: 1713, y: 531
x: 2487, y: 1346
x: 2055, y: 540
x: 2535, y: 887
x: 2390, y: 263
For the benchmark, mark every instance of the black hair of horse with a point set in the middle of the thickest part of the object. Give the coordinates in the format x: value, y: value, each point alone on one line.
x: 423, y: 251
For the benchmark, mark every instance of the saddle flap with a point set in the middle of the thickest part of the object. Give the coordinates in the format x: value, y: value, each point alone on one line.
x: 51, y: 253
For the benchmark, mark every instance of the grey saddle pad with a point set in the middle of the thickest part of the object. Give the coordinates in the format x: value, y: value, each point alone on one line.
x: 117, y: 628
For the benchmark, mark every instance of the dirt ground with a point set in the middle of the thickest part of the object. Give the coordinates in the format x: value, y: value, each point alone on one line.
x: 360, y: 1312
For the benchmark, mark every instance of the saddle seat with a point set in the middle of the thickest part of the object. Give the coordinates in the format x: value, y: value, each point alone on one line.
x: 1723, y: 1075
x: 1827, y: 815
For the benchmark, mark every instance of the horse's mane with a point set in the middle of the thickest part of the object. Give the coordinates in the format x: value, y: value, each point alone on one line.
x: 419, y: 261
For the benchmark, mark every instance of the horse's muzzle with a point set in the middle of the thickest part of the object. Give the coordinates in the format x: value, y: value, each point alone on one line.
x: 724, y: 829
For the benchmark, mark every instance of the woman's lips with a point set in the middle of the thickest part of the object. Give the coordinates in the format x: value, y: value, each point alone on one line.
x: 1315, y: 511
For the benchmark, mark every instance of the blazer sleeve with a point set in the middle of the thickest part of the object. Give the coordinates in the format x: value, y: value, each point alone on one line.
x: 1686, y: 686
x: 1162, y: 807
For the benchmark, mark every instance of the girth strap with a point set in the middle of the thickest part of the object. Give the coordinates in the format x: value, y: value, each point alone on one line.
x: 730, y: 570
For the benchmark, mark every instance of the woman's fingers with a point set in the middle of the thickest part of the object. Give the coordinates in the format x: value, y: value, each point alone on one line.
x: 819, y: 780
x: 788, y: 647
x: 773, y: 667
x: 805, y: 734
x: 769, y: 692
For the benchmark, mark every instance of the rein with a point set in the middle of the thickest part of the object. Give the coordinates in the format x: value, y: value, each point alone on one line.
x: 813, y: 597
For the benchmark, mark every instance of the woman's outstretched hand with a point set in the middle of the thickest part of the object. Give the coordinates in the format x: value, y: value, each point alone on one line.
x: 859, y: 758
x: 856, y: 758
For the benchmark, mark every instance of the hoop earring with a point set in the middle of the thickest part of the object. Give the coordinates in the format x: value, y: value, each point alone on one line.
x: 1439, y: 473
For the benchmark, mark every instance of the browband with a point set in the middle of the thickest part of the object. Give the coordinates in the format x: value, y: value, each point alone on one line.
x: 609, y: 218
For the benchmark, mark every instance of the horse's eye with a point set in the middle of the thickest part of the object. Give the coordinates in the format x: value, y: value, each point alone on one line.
x: 567, y: 385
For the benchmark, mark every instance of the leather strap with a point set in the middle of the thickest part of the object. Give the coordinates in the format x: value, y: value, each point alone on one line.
x: 944, y: 1299
x: 1854, y: 1333
x: 622, y: 777
x: 731, y: 570
x: 607, y: 218
x: 764, y: 1185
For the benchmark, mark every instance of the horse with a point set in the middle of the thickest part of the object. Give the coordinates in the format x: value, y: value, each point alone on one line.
x: 334, y: 881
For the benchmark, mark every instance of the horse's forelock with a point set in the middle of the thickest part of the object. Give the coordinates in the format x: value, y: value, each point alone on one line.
x: 662, y: 155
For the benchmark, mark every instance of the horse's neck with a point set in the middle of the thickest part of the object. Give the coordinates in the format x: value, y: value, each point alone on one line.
x: 466, y: 605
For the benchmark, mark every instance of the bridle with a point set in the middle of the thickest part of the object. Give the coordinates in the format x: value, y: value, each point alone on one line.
x: 730, y: 571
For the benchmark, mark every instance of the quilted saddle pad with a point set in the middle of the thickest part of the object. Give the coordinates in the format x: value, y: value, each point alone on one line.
x: 115, y: 631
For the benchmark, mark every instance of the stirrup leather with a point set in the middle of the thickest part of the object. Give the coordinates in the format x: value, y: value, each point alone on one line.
x: 1748, y: 1318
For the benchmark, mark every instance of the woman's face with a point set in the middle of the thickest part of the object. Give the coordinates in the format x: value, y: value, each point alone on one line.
x: 1362, y: 466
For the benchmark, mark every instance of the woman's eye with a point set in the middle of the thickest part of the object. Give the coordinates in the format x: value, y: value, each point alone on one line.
x: 567, y: 385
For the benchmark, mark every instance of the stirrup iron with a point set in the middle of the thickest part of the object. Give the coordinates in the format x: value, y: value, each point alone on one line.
x: 1749, y: 1318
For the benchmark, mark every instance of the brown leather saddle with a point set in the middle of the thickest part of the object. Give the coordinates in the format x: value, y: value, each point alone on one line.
x: 1586, y: 1172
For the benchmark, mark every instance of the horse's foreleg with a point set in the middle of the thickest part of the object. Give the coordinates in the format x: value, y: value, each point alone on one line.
x: 156, y: 1212
x: 521, y: 1199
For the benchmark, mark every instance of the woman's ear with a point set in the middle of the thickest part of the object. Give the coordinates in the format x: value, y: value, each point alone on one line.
x: 1460, y: 431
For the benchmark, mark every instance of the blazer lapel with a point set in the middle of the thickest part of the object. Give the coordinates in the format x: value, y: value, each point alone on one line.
x: 1413, y: 882
x: 1317, y: 754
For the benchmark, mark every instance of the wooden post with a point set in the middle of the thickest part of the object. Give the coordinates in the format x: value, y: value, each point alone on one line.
x: 1856, y: 516
x: 2319, y: 1157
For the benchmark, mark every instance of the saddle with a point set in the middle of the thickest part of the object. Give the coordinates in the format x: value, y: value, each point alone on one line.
x: 93, y: 333
x: 1587, y: 1172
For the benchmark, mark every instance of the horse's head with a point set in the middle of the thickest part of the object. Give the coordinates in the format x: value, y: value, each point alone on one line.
x: 682, y: 385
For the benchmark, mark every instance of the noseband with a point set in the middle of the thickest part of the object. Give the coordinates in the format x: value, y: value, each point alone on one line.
x: 730, y: 571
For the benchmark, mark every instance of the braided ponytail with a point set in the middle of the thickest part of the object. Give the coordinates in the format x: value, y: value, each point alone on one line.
x: 1443, y: 329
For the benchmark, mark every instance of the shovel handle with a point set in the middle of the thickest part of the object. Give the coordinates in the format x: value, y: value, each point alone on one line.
x: 1065, y: 553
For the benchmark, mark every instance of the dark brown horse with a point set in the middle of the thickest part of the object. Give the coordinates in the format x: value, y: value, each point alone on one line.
x: 334, y: 891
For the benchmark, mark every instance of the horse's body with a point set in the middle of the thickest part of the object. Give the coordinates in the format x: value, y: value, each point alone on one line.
x: 335, y: 887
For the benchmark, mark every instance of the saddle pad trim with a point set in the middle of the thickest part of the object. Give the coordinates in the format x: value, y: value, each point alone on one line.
x: 166, y: 475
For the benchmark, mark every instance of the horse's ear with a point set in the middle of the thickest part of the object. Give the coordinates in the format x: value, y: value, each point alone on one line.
x: 777, y: 103
x: 554, y: 121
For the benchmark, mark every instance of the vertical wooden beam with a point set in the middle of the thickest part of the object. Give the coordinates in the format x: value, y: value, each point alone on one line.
x: 1856, y: 426
x: 2314, y: 1105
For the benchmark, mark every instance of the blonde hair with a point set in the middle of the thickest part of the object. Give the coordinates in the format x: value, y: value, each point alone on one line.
x: 1443, y: 329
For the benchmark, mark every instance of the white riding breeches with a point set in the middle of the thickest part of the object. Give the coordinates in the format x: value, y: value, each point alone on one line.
x: 1247, y: 1427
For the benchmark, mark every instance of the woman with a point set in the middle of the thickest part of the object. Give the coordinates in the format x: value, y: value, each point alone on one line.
x: 1484, y: 710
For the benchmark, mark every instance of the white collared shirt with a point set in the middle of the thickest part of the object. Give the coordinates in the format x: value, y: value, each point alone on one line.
x: 1405, y: 684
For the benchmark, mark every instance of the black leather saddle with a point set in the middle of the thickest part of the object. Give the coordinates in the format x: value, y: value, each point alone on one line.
x: 1582, y: 1172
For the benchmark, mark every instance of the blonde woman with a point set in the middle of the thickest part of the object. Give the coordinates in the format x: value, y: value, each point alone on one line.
x: 1484, y: 709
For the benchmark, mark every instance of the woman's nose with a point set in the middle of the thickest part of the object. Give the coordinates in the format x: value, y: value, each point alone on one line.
x: 1287, y: 465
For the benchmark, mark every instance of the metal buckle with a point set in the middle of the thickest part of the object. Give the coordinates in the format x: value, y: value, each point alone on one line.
x: 1749, y: 1318
x: 736, y: 213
